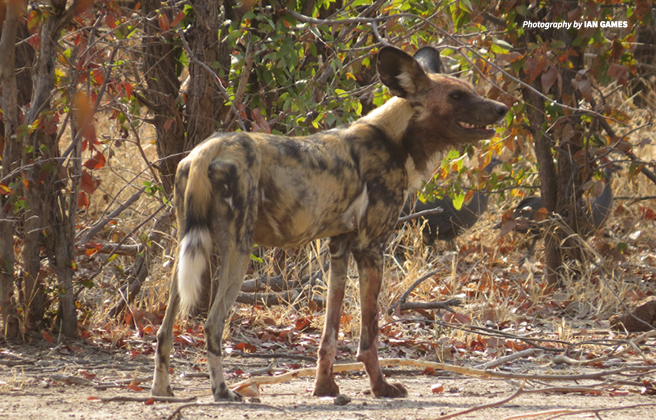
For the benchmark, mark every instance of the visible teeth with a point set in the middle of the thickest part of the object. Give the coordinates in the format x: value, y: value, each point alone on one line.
x: 470, y: 126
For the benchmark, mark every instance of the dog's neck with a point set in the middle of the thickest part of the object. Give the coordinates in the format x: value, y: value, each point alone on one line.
x: 396, y: 118
x: 393, y: 118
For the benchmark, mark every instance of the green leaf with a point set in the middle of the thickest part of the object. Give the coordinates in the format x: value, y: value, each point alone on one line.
x: 495, y: 48
x: 558, y: 44
x: 453, y: 154
x: 503, y: 44
x: 458, y: 201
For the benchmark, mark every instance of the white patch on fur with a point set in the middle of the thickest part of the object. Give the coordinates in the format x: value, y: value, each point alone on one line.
x: 192, y: 262
x: 406, y: 82
x: 356, y: 210
x: 433, y: 163
x: 229, y: 201
x: 393, y: 117
x: 415, y: 178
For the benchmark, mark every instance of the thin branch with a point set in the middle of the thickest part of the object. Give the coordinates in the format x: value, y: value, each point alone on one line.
x: 484, y: 406
x: 413, y: 216
x: 107, y: 248
x: 509, y: 358
x: 412, y: 287
x: 224, y: 404
x: 126, y: 398
x: 446, y: 305
x: 569, y: 411
x: 113, y: 215
x: 277, y: 356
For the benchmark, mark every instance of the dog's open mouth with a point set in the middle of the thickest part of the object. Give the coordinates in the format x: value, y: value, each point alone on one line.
x: 485, y: 130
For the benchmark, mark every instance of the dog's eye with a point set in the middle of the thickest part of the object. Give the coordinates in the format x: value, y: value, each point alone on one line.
x: 456, y: 95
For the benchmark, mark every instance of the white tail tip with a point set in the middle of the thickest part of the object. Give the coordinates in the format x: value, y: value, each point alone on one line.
x: 194, y: 251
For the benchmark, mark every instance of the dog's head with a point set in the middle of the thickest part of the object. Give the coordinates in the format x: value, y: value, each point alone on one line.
x: 448, y: 110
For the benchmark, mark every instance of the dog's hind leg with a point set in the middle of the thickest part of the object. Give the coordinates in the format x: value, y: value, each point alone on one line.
x: 370, y: 270
x: 161, y: 385
x: 339, y: 254
x: 235, y: 212
x: 232, y: 275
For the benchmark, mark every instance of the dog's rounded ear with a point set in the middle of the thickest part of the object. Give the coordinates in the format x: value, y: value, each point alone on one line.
x: 401, y: 73
x: 429, y: 60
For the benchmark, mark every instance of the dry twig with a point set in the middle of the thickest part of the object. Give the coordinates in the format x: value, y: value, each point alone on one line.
x: 509, y: 358
x: 224, y: 404
x: 298, y: 373
x: 569, y: 411
x: 484, y: 406
x: 125, y: 398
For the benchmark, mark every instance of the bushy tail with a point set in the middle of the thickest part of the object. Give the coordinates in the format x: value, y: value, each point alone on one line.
x: 196, y: 243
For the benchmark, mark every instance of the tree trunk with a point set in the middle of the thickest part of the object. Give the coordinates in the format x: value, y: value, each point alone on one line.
x: 571, y: 174
x: 47, y: 212
x: 204, y: 101
x: 10, y: 157
x: 159, y: 69
x: 560, y: 185
x: 547, y: 174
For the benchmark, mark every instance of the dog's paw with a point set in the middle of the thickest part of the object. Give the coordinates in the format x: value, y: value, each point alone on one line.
x: 228, y: 396
x: 387, y: 390
x: 161, y: 391
x: 223, y: 393
x: 326, y: 388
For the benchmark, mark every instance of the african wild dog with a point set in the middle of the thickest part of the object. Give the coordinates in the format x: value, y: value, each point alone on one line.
x: 348, y: 184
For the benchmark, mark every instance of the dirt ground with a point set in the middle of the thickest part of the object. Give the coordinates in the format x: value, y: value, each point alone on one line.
x: 74, y: 382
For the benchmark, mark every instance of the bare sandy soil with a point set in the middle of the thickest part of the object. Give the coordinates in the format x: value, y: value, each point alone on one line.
x: 76, y: 382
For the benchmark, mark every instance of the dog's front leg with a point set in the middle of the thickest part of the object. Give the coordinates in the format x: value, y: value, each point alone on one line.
x: 370, y: 270
x: 325, y: 383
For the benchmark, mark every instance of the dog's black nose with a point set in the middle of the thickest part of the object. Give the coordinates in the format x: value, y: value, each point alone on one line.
x: 501, y: 110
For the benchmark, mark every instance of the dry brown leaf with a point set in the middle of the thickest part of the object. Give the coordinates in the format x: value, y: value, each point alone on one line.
x: 437, y: 388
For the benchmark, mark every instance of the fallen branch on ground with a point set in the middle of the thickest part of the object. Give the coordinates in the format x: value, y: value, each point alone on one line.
x: 224, y: 404
x: 146, y: 399
x: 412, y: 287
x: 278, y: 356
x: 484, y: 406
x: 569, y: 411
x: 446, y: 305
x: 509, y: 358
x: 298, y: 373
